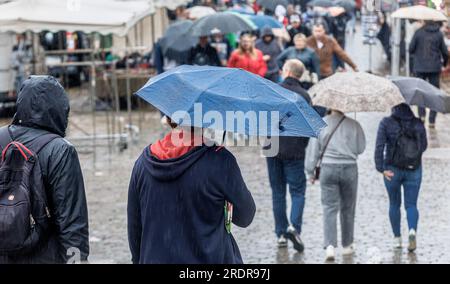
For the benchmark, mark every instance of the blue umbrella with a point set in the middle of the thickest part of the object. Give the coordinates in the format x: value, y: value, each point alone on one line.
x: 220, y: 91
x: 262, y: 21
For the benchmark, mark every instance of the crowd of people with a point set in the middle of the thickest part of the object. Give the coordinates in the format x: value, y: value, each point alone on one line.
x: 315, y: 37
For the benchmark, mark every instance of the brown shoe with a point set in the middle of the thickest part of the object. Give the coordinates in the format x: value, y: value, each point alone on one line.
x: 432, y: 126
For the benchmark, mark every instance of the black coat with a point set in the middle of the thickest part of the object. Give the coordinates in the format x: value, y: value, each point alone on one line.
x: 293, y: 32
x: 208, y: 55
x: 43, y: 107
x: 428, y: 49
x: 293, y: 148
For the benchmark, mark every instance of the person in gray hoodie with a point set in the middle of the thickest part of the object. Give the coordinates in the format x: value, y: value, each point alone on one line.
x: 338, y: 176
x: 271, y: 49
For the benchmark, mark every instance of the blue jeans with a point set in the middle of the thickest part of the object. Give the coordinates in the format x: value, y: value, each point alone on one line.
x: 411, y: 181
x: 281, y: 174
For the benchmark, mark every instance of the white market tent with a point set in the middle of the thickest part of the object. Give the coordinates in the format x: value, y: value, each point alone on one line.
x: 170, y: 4
x: 103, y: 16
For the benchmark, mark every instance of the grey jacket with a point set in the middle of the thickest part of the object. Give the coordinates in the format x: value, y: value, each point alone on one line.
x: 346, y: 144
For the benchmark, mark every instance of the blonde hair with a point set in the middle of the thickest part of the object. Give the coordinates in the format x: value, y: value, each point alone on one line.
x: 252, y: 51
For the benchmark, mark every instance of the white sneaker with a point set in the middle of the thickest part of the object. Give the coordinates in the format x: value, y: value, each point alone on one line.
x: 412, y: 240
x: 397, y: 242
x: 282, y: 242
x: 330, y: 254
x: 348, y: 250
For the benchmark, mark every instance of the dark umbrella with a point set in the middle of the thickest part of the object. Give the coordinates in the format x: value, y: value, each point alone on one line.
x: 272, y: 4
x: 419, y: 92
x: 348, y: 5
x: 225, y: 22
x: 177, y: 41
x: 321, y: 3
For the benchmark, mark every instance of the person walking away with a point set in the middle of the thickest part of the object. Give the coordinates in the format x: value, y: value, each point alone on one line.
x: 204, y: 54
x: 178, y: 191
x: 295, y: 28
x: 288, y: 168
x: 307, y: 56
x: 430, y: 55
x: 247, y: 57
x: 271, y: 49
x: 384, y: 35
x: 338, y: 26
x: 326, y: 47
x: 401, y: 141
x: 336, y: 152
x: 56, y: 188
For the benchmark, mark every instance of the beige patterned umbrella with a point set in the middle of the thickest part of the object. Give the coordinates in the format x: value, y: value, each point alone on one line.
x: 356, y: 92
x: 419, y: 12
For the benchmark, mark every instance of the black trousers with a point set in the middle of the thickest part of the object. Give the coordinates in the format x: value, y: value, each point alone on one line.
x: 433, y: 79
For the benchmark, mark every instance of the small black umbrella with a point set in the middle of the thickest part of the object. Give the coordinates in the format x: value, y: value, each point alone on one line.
x: 224, y: 22
x: 321, y: 3
x: 177, y: 40
x: 419, y: 92
x: 272, y: 4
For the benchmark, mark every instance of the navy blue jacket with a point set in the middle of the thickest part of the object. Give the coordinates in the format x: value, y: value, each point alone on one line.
x: 176, y: 208
x: 389, y: 130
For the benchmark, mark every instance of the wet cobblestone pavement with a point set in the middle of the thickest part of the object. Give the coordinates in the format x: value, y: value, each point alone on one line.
x: 107, y: 185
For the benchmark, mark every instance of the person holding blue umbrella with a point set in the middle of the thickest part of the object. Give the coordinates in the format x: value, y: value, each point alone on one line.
x: 288, y: 168
x: 185, y: 192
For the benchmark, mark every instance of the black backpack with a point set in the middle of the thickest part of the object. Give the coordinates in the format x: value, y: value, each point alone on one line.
x: 407, y: 152
x: 24, y: 212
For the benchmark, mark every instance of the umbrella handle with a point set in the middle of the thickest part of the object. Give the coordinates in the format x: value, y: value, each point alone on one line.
x: 223, y: 138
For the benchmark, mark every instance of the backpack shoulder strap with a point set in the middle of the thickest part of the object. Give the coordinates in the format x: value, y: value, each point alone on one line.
x: 399, y: 121
x: 40, y: 142
x: 5, y: 137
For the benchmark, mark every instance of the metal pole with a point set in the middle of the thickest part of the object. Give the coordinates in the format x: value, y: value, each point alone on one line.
x: 130, y: 119
x: 395, y: 64
x: 93, y: 95
x: 407, y: 61
x: 152, y: 17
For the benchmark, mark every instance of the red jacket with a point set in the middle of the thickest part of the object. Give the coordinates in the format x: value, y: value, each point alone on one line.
x: 245, y: 61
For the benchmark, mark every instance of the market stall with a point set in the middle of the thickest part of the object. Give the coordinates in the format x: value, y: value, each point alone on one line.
x: 105, y: 17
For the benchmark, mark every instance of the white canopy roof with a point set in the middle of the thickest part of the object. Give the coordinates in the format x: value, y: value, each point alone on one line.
x: 103, y: 16
x: 170, y: 4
